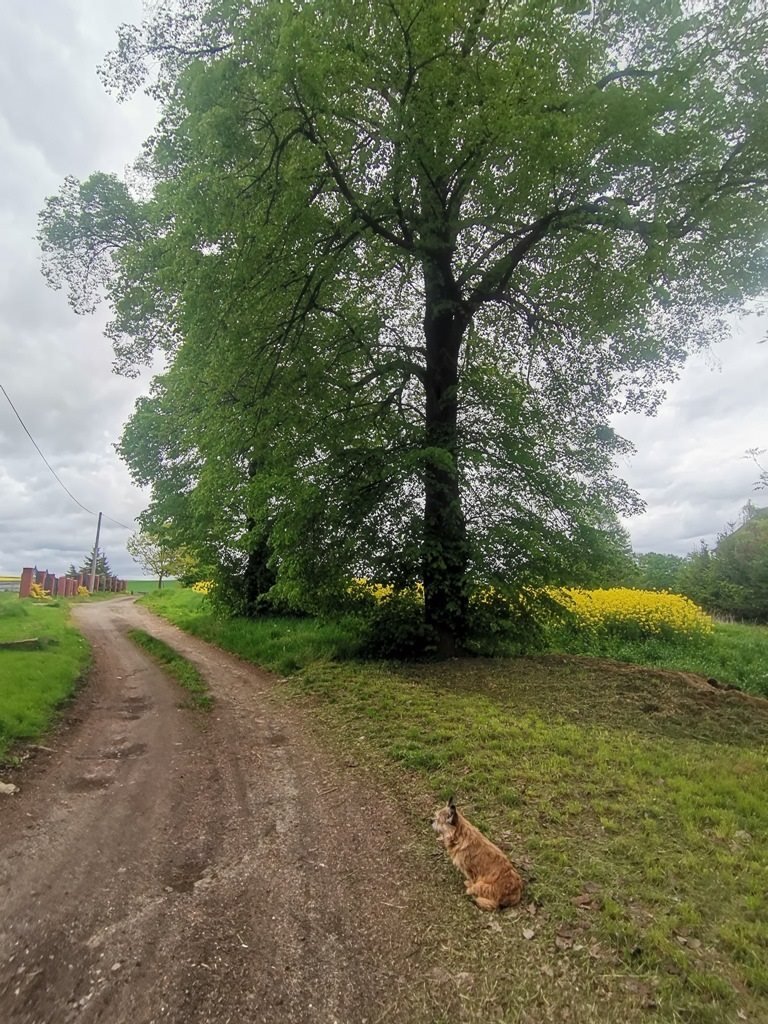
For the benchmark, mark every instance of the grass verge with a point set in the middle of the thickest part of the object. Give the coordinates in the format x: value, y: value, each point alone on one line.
x: 177, y: 666
x: 283, y: 645
x: 635, y: 801
x: 34, y: 683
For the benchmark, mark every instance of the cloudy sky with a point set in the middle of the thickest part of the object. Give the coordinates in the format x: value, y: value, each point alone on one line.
x: 56, y: 119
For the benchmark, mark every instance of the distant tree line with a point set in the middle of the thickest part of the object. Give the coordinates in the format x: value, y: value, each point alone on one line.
x: 730, y: 578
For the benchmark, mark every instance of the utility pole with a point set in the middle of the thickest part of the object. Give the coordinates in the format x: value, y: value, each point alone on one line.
x: 95, y: 559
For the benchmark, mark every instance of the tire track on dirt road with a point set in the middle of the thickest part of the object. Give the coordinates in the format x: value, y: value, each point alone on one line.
x: 170, y: 865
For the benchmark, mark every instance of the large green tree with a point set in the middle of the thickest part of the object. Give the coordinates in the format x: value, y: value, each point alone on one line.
x: 413, y: 256
x: 656, y: 571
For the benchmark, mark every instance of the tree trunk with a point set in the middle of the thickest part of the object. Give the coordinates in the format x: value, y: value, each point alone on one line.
x: 259, y: 575
x: 445, y: 547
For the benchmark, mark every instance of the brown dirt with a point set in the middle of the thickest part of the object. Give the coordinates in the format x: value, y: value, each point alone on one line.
x: 164, y: 864
x: 726, y: 692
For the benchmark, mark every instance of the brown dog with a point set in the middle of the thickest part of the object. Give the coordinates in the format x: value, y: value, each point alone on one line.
x: 490, y: 878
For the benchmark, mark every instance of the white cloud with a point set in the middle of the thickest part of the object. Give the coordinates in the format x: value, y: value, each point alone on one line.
x: 56, y: 119
x: 690, y: 466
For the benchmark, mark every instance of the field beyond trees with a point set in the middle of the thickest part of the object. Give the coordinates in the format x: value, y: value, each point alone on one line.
x: 633, y: 798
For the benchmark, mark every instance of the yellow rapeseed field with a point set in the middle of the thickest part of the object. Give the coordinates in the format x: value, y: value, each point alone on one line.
x: 642, y: 613
x: 619, y: 610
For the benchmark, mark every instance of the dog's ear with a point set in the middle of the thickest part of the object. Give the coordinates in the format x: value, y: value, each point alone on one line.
x: 452, y: 809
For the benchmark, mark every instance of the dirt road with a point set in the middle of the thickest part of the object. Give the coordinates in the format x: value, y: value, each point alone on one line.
x: 165, y: 864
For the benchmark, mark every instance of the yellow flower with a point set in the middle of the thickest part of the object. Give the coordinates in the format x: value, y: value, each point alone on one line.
x: 644, y: 613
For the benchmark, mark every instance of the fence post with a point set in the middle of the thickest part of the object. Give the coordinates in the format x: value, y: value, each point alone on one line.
x: 26, y: 582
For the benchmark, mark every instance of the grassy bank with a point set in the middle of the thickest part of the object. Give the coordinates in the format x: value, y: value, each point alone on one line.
x: 182, y: 670
x: 735, y: 655
x: 635, y: 800
x: 33, y: 683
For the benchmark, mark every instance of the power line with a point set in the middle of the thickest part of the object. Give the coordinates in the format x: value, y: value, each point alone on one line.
x: 117, y: 522
x: 50, y: 467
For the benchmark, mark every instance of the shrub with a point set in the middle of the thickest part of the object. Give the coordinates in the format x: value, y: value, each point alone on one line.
x: 498, y: 622
x: 507, y: 623
x: 393, y: 627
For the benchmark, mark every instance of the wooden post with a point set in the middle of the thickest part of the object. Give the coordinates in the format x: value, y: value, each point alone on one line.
x: 92, y: 580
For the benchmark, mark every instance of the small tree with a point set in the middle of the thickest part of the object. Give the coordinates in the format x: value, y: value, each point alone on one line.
x: 103, y: 567
x: 154, y: 553
x: 761, y: 483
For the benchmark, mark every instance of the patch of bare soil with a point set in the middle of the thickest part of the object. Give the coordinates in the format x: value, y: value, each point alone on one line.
x: 705, y: 685
x: 163, y: 864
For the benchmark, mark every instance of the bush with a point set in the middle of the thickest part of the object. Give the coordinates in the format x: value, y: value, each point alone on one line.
x: 393, y: 627
x: 505, y: 623
x: 13, y: 610
x: 498, y: 623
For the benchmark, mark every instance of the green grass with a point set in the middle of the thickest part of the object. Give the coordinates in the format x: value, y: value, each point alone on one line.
x: 636, y: 801
x: 34, y: 683
x: 625, y: 786
x: 282, y: 644
x: 734, y: 655
x: 177, y: 666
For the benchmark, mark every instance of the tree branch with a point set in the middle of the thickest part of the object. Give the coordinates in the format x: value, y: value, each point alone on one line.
x: 615, y: 76
x: 358, y: 211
